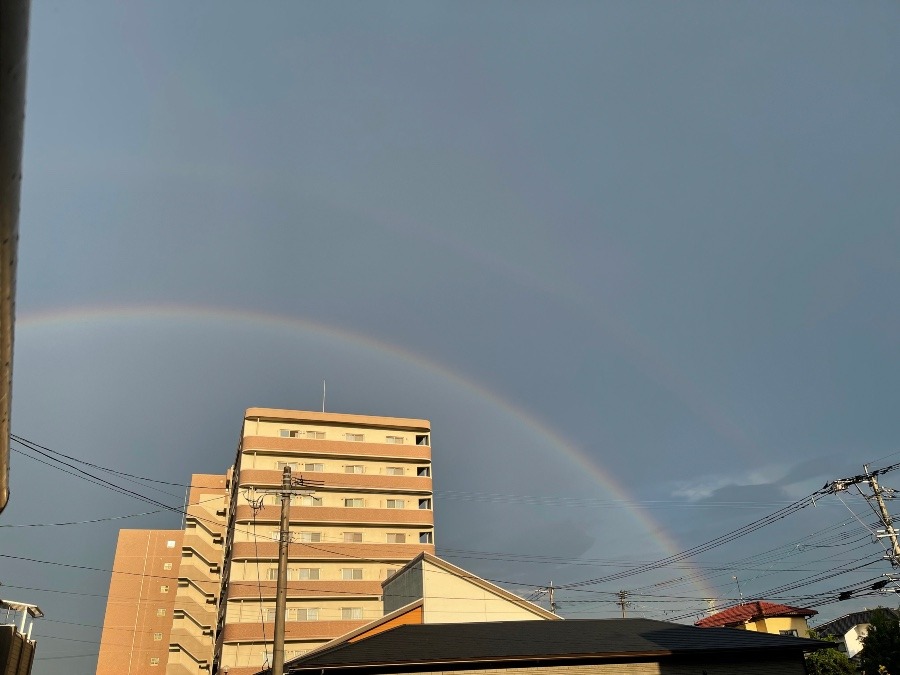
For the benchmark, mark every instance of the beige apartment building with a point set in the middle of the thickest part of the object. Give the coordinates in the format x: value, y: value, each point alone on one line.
x: 202, y: 600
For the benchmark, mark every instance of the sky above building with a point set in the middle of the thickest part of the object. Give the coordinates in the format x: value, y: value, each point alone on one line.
x: 636, y: 261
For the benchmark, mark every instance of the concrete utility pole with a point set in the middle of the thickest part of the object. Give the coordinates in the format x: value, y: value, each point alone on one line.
x: 885, y: 517
x: 289, y: 487
x: 871, y: 478
x: 552, y: 602
x: 622, y: 601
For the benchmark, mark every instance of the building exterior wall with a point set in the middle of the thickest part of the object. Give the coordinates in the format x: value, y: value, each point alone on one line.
x: 138, y: 621
x: 372, y: 514
x: 775, y: 625
x: 453, y: 599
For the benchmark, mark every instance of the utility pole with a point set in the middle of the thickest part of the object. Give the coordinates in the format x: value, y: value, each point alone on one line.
x: 885, y: 516
x: 878, y: 492
x: 552, y: 601
x: 289, y: 487
x: 622, y: 601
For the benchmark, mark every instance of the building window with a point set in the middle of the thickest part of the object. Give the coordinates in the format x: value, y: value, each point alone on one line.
x: 351, y: 574
x: 426, y: 538
x: 310, y: 537
x: 269, y: 614
x: 314, y: 467
x: 395, y: 538
x: 307, y: 573
x: 317, y: 435
x: 170, y: 543
x: 421, y: 439
x: 161, y: 611
x: 167, y: 566
x: 792, y: 632
x: 354, y: 468
x: 357, y: 438
x: 157, y: 637
x: 395, y: 503
x: 295, y: 466
x: 154, y: 660
x: 423, y: 471
x: 390, y: 571
x: 351, y: 613
x: 394, y: 471
x: 276, y: 535
x: 308, y: 614
x: 163, y: 589
x: 272, y: 574
x: 395, y: 440
x: 354, y: 503
x: 352, y: 537
x: 289, y: 433
x: 309, y: 500
x: 425, y: 503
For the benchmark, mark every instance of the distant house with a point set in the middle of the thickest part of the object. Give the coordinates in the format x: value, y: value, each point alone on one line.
x: 762, y: 617
x: 430, y: 590
x: 851, y: 629
x: 572, y: 647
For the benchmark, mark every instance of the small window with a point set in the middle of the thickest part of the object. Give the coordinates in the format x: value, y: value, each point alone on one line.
x: 425, y: 503
x: 294, y: 466
x: 167, y: 566
x: 792, y: 632
x: 394, y: 440
x: 357, y: 438
x: 310, y: 537
x: 354, y: 468
x: 394, y: 471
x: 352, y: 537
x: 276, y: 535
x: 269, y: 614
x: 390, y: 571
x: 163, y: 589
x: 395, y: 503
x: 351, y: 613
x: 314, y: 467
x: 154, y: 660
x: 289, y: 433
x: 351, y: 574
x: 308, y: 614
x: 317, y: 435
x: 157, y: 637
x: 421, y: 439
x: 423, y: 471
x: 308, y: 573
x: 161, y: 611
x: 272, y: 574
x: 426, y: 538
x: 170, y: 543
x: 395, y: 538
x: 309, y: 500
x: 354, y: 503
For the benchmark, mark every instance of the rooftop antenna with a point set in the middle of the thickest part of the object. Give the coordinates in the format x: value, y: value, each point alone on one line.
x: 323, y: 394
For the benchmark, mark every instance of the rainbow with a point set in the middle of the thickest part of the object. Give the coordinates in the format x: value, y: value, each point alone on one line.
x: 84, y: 316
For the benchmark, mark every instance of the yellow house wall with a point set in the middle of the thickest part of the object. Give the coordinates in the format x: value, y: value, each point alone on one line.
x: 449, y: 599
x: 775, y: 624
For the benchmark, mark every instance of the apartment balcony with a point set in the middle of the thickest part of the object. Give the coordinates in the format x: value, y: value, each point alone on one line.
x: 293, y: 630
x: 251, y: 590
x: 270, y: 478
x: 327, y: 448
x: 337, y: 515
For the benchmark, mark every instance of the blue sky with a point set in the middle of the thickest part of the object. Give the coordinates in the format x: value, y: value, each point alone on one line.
x: 663, y: 237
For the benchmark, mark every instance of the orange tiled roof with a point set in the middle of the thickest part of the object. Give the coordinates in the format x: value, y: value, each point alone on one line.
x: 751, y: 611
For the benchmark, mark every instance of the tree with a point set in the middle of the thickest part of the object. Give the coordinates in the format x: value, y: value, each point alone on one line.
x: 828, y: 661
x: 881, y: 646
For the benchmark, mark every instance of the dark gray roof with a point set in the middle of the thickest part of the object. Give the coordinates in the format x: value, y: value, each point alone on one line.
x: 842, y: 624
x: 544, y: 640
